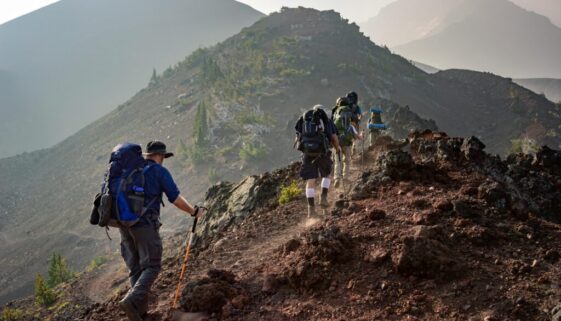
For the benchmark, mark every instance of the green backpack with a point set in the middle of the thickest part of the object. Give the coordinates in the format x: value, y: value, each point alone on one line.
x: 342, y: 119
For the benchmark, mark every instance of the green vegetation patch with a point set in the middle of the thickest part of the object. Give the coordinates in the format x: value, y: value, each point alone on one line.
x: 252, y: 153
x: 96, y: 262
x: 44, y: 296
x: 289, y: 193
x: 11, y: 314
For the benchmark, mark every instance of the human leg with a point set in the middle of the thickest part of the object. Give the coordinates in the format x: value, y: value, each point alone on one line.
x: 310, y: 196
x: 346, y: 161
x: 309, y: 172
x: 325, y: 169
x: 149, y: 245
x: 129, y: 252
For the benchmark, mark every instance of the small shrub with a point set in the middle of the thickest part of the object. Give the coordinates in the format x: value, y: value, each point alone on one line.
x: 96, y: 262
x: 226, y: 151
x: 11, y: 314
x: 523, y: 145
x: 516, y: 146
x: 213, y: 175
x: 248, y: 152
x: 43, y: 294
x: 289, y: 193
x: 168, y: 72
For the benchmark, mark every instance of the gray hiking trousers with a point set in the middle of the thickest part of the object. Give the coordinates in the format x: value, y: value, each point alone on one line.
x: 141, y: 248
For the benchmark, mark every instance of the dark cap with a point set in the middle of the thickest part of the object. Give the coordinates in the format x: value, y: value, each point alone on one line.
x: 157, y: 147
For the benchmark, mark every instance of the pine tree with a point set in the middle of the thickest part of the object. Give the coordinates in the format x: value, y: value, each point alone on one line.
x: 58, y: 271
x: 43, y: 295
x: 154, y: 79
x: 197, y: 153
x: 201, y: 126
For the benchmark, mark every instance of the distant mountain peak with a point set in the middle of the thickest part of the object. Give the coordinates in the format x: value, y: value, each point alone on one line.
x: 484, y: 35
x: 98, y: 53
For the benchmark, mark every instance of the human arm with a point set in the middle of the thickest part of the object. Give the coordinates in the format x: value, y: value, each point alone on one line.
x: 182, y: 204
x: 358, y: 113
x: 357, y: 134
x: 335, y: 142
x: 172, y: 192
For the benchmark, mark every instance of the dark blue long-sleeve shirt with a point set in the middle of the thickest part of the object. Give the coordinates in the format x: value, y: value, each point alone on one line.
x: 158, y: 181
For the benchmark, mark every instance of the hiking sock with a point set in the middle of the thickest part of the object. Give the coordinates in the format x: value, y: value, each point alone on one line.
x: 325, y: 183
x: 311, y: 201
x: 310, y: 194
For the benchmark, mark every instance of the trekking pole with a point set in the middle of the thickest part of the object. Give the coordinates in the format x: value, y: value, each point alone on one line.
x: 185, y: 259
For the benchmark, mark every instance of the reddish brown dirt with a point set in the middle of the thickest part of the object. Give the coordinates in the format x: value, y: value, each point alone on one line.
x: 431, y: 241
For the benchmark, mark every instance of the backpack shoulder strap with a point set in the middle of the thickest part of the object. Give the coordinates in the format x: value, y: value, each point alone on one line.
x: 151, y: 202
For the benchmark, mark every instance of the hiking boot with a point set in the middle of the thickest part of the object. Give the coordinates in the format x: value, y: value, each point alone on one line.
x: 311, y: 211
x: 129, y: 310
x: 323, y: 201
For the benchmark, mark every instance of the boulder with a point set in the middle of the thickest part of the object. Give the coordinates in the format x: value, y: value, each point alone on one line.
x: 423, y: 255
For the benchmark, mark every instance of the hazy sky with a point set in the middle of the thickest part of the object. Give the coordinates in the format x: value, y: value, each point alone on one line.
x: 356, y: 10
x: 11, y: 9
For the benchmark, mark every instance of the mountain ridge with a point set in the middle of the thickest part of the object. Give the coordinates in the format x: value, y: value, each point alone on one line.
x: 476, y: 35
x: 433, y: 228
x: 253, y: 86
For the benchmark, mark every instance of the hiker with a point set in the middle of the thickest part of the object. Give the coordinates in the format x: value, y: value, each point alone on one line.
x: 352, y: 98
x: 315, y: 134
x: 347, y: 128
x: 141, y: 245
x: 375, y: 126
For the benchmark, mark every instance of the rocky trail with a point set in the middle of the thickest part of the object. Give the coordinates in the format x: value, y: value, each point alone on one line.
x: 433, y: 229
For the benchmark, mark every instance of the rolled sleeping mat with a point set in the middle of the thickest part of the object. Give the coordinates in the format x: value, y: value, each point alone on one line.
x: 376, y: 110
x: 377, y: 126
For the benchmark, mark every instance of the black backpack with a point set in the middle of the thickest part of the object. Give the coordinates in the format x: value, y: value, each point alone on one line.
x: 312, y: 140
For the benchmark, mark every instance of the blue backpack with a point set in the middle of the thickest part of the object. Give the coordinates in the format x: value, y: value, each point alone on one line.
x: 122, y: 193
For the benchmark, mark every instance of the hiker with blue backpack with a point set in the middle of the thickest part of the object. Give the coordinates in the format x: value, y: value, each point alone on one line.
x: 315, y: 135
x: 346, y: 122
x: 130, y: 200
x: 375, y: 126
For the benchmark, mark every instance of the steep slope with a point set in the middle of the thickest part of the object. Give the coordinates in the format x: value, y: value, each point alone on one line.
x: 253, y: 87
x: 551, y: 88
x: 495, y: 36
x: 75, y: 60
x: 548, y: 8
x: 45, y: 205
x: 442, y: 232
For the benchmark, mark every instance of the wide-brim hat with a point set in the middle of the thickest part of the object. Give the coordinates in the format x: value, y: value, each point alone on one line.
x: 157, y: 147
